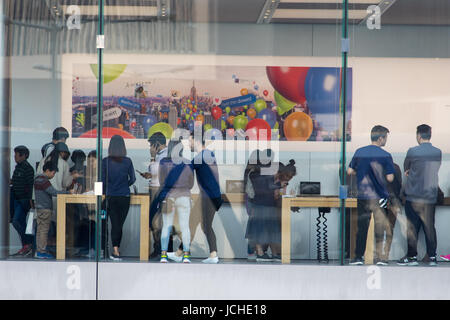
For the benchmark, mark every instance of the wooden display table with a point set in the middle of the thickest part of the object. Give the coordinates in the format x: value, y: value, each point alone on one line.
x: 64, y: 199
x: 303, y: 202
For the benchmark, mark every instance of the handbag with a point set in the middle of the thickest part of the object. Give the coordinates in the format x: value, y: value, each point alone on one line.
x: 31, y: 222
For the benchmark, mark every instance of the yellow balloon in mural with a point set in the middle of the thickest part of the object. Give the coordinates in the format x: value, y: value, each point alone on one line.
x: 162, y: 127
x: 110, y: 71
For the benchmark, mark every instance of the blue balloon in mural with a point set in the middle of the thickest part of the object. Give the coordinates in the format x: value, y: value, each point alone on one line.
x: 148, y: 122
x: 322, y: 89
x: 191, y: 125
x: 268, y: 115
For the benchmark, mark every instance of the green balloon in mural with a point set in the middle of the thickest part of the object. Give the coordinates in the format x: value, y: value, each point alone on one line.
x: 207, y: 127
x: 260, y: 105
x: 240, y: 122
x: 110, y: 71
x: 162, y: 127
x: 223, y: 125
x: 283, y: 104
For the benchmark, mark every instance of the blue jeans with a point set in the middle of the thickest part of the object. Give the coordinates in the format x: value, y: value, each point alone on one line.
x: 19, y: 220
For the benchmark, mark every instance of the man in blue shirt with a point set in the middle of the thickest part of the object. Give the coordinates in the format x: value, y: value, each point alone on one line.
x: 421, y: 167
x: 373, y: 167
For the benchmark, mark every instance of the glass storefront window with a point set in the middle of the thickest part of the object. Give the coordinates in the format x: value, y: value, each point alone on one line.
x: 241, y: 132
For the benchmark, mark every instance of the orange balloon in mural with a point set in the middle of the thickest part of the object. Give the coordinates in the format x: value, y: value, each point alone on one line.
x: 230, y: 119
x: 298, y: 126
x: 200, y: 118
x: 244, y: 91
x: 251, y: 113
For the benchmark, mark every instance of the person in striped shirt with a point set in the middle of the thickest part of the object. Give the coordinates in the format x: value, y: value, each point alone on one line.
x: 21, y: 193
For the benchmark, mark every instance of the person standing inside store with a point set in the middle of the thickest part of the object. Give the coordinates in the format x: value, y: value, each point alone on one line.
x: 21, y: 193
x: 158, y: 151
x: 61, y: 181
x: 117, y: 175
x: 421, y: 169
x: 60, y: 134
x: 265, y: 227
x: 374, y: 168
x: 208, y: 202
x: 44, y: 192
x: 177, y: 178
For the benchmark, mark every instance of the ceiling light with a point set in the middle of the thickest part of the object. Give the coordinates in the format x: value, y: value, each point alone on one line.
x: 332, y: 1
x: 267, y: 11
x: 137, y: 11
x: 317, y: 14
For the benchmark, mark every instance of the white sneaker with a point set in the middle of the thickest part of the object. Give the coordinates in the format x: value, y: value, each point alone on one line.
x: 251, y: 256
x: 172, y: 256
x: 211, y: 260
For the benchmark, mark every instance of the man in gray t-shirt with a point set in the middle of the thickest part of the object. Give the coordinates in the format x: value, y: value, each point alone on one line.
x: 421, y: 167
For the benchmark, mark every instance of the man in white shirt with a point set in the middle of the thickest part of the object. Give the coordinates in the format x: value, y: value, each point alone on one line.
x: 158, y: 151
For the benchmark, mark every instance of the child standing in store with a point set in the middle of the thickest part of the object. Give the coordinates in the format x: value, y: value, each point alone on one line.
x: 44, y: 192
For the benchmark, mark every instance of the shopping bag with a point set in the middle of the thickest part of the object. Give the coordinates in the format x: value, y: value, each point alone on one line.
x: 31, y: 222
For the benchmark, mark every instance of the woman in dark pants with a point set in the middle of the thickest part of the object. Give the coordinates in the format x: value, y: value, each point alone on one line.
x: 118, y: 175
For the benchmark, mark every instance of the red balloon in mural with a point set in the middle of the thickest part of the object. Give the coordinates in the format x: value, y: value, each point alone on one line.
x: 289, y: 82
x: 216, y: 113
x: 108, y: 132
x: 257, y: 127
x: 265, y: 93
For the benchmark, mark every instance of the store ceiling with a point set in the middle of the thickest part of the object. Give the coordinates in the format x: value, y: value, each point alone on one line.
x: 403, y: 12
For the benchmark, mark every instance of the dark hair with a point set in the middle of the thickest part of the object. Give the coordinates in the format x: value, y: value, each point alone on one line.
x: 49, y: 166
x: 93, y: 153
x: 53, y: 158
x: 289, y: 169
x: 60, y: 133
x: 378, y: 132
x: 117, y: 147
x: 157, y: 139
x: 22, y: 150
x: 78, y: 156
x: 62, y: 147
x: 424, y: 131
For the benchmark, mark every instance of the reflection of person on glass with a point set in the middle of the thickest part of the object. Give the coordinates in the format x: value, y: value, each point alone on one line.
x: 118, y: 176
x: 421, y: 167
x: 393, y: 209
x: 373, y: 167
x: 178, y: 197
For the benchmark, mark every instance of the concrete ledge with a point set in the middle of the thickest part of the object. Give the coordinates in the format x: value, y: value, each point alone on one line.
x: 225, y: 281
